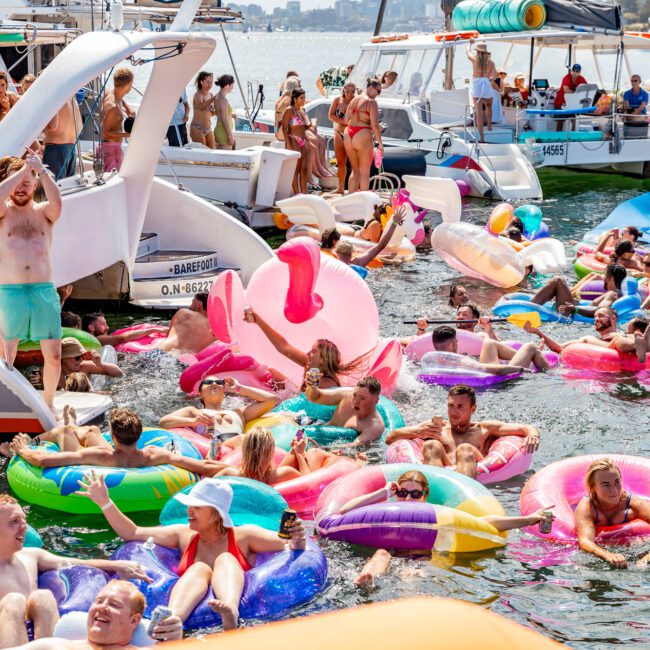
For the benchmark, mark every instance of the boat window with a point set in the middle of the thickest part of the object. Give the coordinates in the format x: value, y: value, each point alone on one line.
x: 320, y: 112
x: 391, y: 60
x: 363, y: 68
x: 411, y: 80
x: 398, y: 123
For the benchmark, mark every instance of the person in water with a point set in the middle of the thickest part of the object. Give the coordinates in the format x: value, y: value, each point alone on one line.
x: 356, y: 407
x: 189, y: 329
x: 414, y: 486
x: 95, y: 324
x: 607, y: 504
x: 458, y: 441
x: 223, y: 131
x: 112, y: 621
x: 623, y: 254
x: 493, y: 353
x: 465, y: 313
x: 203, y: 109
x: 20, y: 598
x: 214, y: 553
x: 228, y: 423
x: 328, y: 240
x: 337, y: 111
x: 72, y: 360
x: 362, y: 118
x: 613, y: 236
x: 323, y: 355
x: 483, y: 73
x: 566, y: 303
x: 458, y: 295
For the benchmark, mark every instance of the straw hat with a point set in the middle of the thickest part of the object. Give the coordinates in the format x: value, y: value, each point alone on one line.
x: 481, y: 47
x: 70, y: 347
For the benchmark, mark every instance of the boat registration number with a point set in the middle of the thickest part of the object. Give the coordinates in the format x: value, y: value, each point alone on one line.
x: 185, y: 288
x: 553, y: 149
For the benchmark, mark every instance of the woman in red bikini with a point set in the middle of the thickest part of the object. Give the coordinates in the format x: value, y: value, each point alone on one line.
x: 215, y: 553
x: 337, y: 115
x: 363, y: 122
x: 294, y: 126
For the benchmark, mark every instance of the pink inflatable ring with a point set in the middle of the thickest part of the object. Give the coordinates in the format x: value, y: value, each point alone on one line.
x: 562, y: 484
x: 506, y: 457
x: 586, y: 356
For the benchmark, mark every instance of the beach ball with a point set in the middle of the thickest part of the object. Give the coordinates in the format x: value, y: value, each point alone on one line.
x: 531, y: 217
x: 500, y: 219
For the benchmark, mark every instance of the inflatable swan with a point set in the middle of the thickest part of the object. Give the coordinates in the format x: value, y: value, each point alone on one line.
x: 312, y: 215
x: 476, y: 253
x: 304, y: 296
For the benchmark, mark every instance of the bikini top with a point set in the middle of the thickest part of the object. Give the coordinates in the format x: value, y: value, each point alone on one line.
x: 189, y: 556
x: 609, y: 523
x: 227, y: 422
x: 339, y: 114
x: 296, y: 120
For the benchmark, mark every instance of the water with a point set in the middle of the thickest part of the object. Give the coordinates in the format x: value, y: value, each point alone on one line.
x: 567, y: 595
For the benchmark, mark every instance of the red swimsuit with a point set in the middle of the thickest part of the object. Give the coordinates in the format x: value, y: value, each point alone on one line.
x: 189, y: 556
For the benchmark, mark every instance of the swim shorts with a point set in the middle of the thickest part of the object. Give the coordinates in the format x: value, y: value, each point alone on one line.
x: 30, y: 311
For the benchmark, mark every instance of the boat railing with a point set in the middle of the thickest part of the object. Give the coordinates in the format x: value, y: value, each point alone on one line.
x: 476, y: 145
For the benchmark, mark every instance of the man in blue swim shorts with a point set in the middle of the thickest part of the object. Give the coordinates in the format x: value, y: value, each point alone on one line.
x: 29, y: 304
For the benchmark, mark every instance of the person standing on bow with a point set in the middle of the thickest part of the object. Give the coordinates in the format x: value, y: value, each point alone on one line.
x: 483, y: 72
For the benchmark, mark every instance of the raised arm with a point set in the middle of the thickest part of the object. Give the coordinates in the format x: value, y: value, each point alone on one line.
x: 586, y: 529
x: 264, y: 399
x: 552, y: 344
x: 277, y: 340
x: 10, y: 183
x: 97, y: 367
x: 366, y: 258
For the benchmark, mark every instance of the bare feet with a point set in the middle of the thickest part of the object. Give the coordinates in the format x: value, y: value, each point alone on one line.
x: 361, y: 458
x: 69, y: 415
x: 229, y: 615
x: 365, y: 580
x: 641, y: 345
x: 5, y: 450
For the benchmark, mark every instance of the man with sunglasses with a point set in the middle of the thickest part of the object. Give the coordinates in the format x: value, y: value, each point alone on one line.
x: 635, y: 102
x: 459, y: 441
x: 73, y: 360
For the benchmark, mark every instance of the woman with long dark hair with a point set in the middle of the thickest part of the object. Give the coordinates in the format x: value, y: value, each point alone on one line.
x: 203, y: 105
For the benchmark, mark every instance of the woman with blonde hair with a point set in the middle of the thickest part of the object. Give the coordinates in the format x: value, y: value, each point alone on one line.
x: 483, y: 73
x: 337, y: 112
x: 607, y: 504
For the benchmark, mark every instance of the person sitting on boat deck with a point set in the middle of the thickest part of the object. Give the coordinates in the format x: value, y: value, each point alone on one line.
x: 607, y: 504
x: 356, y: 407
x: 228, y: 424
x: 345, y: 249
x: 635, y: 102
x: 458, y: 296
x: 613, y: 236
x: 458, y: 441
x: 566, y: 303
x: 20, y: 598
x: 623, y: 254
x: 336, y: 114
x: 7, y: 99
x: 30, y: 308
x: 223, y: 131
x: 284, y: 101
x: 634, y: 341
x: 291, y: 75
x: 70, y: 319
x: 72, y: 360
x: 95, y: 324
x: 60, y: 138
x: 501, y: 83
x: 126, y: 429
x: 114, y: 111
x: 177, y: 129
x: 467, y: 312
x: 483, y: 72
x: 521, y: 88
x: 112, y: 621
x: 414, y: 486
x: 323, y: 355
x: 258, y: 459
x: 388, y: 79
x: 203, y: 110
x: 493, y: 353
x: 214, y: 551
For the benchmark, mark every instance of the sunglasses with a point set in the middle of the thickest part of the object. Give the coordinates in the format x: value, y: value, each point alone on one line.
x: 402, y: 493
x: 209, y: 382
x: 79, y: 358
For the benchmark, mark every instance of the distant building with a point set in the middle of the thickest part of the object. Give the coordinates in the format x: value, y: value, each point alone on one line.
x: 254, y: 11
x: 293, y: 8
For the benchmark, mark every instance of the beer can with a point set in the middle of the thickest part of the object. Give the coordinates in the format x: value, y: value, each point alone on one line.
x: 215, y: 445
x: 289, y: 516
x: 313, y: 375
x: 159, y: 614
x: 546, y: 524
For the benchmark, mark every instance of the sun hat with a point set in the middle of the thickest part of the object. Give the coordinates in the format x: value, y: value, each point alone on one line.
x: 70, y: 347
x: 481, y: 47
x: 213, y: 493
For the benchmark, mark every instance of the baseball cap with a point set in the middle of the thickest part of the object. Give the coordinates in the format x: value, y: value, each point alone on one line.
x: 70, y: 347
x: 576, y: 67
x: 211, y: 493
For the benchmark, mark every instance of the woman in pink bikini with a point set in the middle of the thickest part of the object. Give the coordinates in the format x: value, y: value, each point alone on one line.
x: 294, y: 125
x: 203, y: 105
x: 215, y: 553
x: 363, y: 122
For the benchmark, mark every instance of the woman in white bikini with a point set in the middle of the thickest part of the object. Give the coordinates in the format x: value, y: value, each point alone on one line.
x: 228, y: 423
x: 483, y: 72
x: 203, y: 105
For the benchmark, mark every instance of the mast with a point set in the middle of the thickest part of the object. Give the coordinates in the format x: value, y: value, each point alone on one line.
x: 449, y: 51
x: 380, y: 17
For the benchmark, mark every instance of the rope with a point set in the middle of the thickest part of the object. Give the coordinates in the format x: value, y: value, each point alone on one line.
x: 171, y: 51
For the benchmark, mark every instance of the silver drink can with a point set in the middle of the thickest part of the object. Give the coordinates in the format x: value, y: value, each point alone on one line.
x: 159, y: 614
x: 546, y: 525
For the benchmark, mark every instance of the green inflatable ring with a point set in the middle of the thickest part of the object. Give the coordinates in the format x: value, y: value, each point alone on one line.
x: 29, y: 352
x: 132, y: 489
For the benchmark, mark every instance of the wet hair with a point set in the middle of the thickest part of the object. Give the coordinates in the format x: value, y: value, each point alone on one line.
x: 137, y: 599
x: 89, y: 319
x: 476, y: 312
x: 634, y: 231
x: 78, y: 382
x: 201, y: 77
x: 296, y: 93
x: 329, y: 238
x: 617, y: 272
x: 602, y: 464
x: 622, y: 248
x: 70, y: 319
x: 331, y: 363
x: 378, y: 211
x: 453, y: 290
x: 122, y: 77
x: 442, y: 334
x: 126, y: 426
x: 257, y: 455
x: 8, y: 500
x: 514, y: 234
x: 638, y: 324
x: 372, y: 384
x: 463, y: 389
x: 417, y: 477
x: 225, y: 80
x: 203, y: 298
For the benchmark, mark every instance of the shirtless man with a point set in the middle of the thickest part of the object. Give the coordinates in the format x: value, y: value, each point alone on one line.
x: 96, y: 325
x: 356, y: 408
x: 112, y: 621
x: 60, y: 136
x: 29, y: 304
x: 20, y: 597
x: 126, y: 429
x: 492, y: 353
x: 114, y: 111
x: 459, y: 441
x: 189, y: 330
